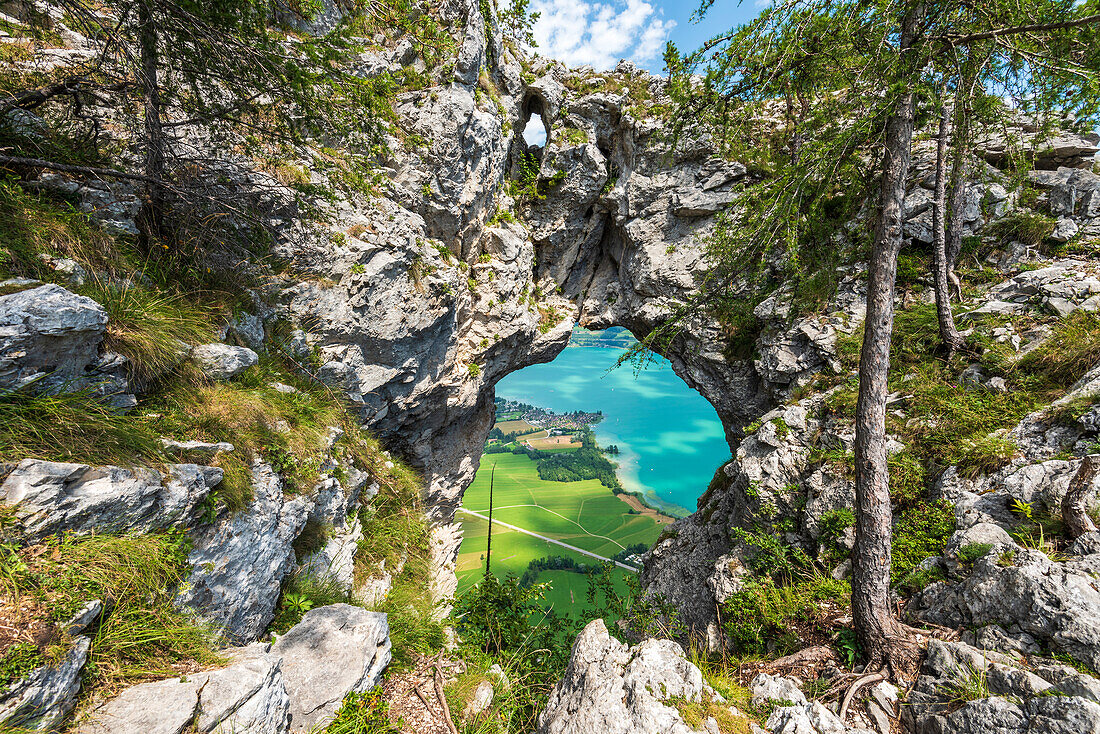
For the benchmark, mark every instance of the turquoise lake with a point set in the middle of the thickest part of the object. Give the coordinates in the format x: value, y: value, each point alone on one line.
x: 670, y: 438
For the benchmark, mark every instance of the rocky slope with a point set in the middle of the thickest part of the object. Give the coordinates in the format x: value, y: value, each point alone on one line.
x: 467, y: 266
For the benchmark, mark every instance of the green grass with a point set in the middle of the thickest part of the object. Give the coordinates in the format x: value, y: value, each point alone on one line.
x: 584, y: 514
x: 33, y: 224
x: 141, y: 635
x: 71, y: 427
x: 151, y: 328
x: 1029, y: 228
x: 363, y: 713
x: 572, y: 512
x: 288, y: 430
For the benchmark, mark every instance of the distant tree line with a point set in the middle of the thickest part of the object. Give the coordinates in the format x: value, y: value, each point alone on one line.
x: 550, y: 563
x: 631, y: 550
x: 587, y: 462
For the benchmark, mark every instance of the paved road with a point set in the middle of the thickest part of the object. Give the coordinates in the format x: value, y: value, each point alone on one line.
x: 582, y: 551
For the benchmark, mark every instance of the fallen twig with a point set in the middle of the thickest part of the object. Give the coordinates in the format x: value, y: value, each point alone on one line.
x: 438, y: 678
x: 428, y: 706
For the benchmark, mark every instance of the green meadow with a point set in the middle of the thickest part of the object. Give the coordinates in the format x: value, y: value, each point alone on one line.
x: 583, y: 514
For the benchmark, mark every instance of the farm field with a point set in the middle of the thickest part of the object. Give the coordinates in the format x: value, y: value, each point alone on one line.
x: 553, y: 442
x: 520, y: 426
x: 583, y: 514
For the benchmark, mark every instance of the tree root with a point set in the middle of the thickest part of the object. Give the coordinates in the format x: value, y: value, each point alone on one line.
x: 854, y: 688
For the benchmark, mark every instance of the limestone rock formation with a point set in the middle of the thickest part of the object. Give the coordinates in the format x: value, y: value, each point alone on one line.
x: 294, y: 685
x: 239, y: 562
x: 50, y: 498
x: 48, y: 332
x: 43, y: 700
x: 334, y: 650
x: 609, y: 688
x: 1002, y: 695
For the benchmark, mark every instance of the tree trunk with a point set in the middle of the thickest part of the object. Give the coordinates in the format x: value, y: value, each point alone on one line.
x: 879, y: 632
x: 154, y: 132
x: 948, y: 333
x: 1074, y: 504
x: 489, y: 537
x: 957, y: 188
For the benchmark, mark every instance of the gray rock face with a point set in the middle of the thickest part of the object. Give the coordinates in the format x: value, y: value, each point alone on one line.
x: 48, y: 331
x: 222, y: 361
x: 42, y: 700
x: 334, y: 650
x: 246, y: 698
x: 1043, y: 698
x: 239, y: 562
x: 1053, y: 602
x: 50, y: 497
x: 611, y: 689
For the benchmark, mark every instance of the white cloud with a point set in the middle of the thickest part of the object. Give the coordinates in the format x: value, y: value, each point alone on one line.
x: 598, y: 34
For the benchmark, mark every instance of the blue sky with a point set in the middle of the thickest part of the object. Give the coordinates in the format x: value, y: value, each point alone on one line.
x: 600, y: 32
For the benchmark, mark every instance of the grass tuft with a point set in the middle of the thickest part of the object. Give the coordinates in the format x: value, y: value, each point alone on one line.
x: 73, y: 427
x: 140, y: 635
x: 152, y: 329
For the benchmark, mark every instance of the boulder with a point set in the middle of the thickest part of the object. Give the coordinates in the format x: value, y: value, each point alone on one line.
x: 48, y: 331
x: 222, y: 361
x: 479, y: 702
x: 775, y: 689
x: 333, y: 651
x: 50, y: 497
x: 246, y: 698
x: 609, y: 688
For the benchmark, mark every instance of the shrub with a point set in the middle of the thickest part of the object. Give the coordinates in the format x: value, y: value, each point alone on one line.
x: 1029, y: 228
x: 907, y: 477
x: 17, y: 661
x: 770, y: 554
x: 832, y: 526
x: 920, y: 531
x: 763, y: 618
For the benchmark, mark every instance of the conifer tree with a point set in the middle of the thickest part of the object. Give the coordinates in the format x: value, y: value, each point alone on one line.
x: 857, y: 72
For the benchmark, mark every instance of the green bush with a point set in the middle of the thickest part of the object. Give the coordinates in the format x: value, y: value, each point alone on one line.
x: 770, y: 555
x: 832, y: 526
x: 920, y: 531
x: 1030, y: 228
x: 764, y: 618
x: 18, y: 661
x: 973, y: 551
